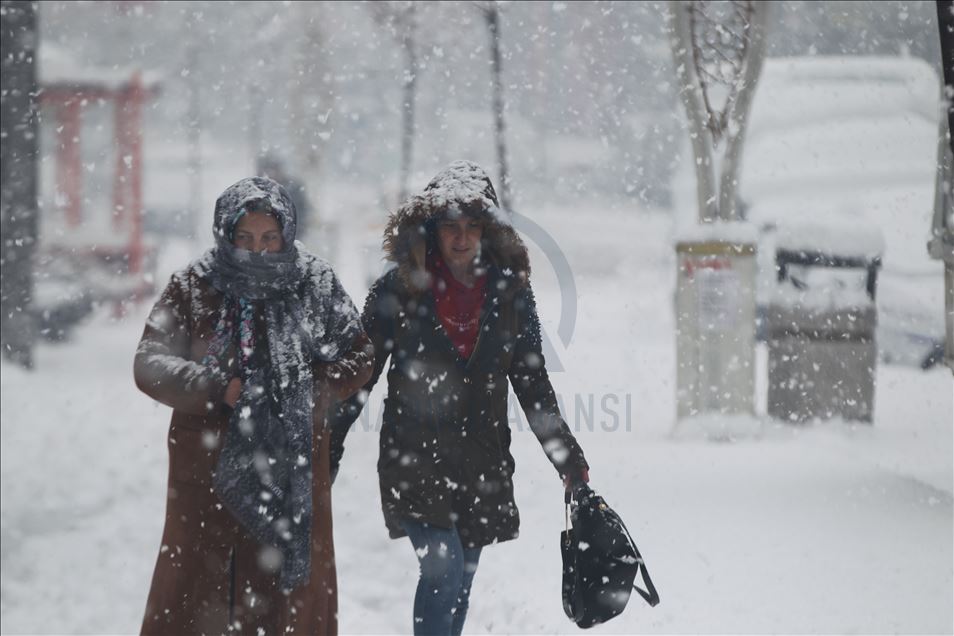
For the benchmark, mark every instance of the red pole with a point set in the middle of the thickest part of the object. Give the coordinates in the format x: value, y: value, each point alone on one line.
x: 121, y: 176
x: 69, y: 162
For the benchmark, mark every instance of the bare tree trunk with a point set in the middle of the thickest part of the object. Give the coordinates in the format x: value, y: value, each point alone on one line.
x: 401, y: 19
x: 735, y: 135
x: 194, y: 135
x: 256, y: 107
x: 407, y: 107
x: 310, y: 106
x: 710, y: 131
x: 492, y: 16
x: 691, y: 92
x: 18, y: 183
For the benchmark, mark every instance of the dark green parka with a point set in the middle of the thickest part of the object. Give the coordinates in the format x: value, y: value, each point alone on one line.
x: 445, y: 440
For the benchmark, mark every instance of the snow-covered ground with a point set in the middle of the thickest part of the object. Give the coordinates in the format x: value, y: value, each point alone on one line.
x: 824, y: 529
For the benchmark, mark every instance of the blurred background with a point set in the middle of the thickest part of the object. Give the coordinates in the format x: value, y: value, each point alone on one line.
x: 147, y: 111
x: 354, y: 105
x: 591, y: 102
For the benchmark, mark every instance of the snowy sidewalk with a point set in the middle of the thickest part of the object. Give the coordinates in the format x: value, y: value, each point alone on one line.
x: 827, y: 529
x: 820, y: 531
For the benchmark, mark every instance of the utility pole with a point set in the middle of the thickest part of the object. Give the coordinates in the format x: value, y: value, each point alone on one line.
x: 941, y: 245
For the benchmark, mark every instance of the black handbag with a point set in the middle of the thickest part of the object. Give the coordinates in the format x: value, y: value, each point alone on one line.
x: 600, y: 561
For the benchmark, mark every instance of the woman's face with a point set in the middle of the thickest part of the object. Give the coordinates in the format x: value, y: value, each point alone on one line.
x: 459, y: 240
x: 258, y: 232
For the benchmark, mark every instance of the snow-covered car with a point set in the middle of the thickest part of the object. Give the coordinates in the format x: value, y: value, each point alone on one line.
x: 851, y: 142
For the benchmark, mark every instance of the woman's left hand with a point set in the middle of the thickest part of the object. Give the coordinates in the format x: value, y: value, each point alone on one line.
x: 232, y: 392
x: 584, y: 477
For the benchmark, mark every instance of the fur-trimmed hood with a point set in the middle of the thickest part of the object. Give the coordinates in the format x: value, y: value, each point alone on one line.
x: 462, y: 187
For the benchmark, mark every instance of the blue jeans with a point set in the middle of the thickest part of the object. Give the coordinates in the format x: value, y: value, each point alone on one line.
x: 447, y: 572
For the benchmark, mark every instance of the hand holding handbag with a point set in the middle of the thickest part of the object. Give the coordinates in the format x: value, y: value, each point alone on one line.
x: 600, y: 561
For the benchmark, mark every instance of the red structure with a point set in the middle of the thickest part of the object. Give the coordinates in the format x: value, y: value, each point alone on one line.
x: 67, y: 97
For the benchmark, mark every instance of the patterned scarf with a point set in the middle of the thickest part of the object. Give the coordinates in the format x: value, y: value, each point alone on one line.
x: 264, y: 470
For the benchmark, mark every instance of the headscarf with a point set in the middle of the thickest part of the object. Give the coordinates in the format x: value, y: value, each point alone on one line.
x: 264, y: 472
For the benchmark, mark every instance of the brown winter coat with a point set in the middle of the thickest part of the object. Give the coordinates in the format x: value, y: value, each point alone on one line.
x: 208, y: 575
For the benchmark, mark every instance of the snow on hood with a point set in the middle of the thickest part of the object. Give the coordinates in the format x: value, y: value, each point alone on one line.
x: 462, y: 187
x: 464, y: 183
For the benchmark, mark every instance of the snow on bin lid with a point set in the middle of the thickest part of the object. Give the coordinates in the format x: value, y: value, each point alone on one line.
x: 833, y: 238
x: 738, y: 232
x: 833, y: 301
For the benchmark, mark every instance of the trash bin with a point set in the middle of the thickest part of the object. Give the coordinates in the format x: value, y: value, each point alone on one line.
x: 821, y: 321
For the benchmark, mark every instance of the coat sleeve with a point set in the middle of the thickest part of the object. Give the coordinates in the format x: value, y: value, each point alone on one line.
x: 380, y: 309
x: 163, y: 369
x: 531, y: 382
x: 340, y: 322
x: 346, y: 375
x: 344, y: 354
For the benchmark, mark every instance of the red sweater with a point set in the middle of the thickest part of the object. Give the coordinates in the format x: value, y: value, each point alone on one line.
x: 458, y: 306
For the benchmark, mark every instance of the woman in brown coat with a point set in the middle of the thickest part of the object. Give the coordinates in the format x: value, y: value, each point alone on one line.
x: 249, y: 345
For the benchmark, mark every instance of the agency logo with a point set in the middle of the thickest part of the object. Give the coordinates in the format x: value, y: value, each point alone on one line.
x: 568, y: 301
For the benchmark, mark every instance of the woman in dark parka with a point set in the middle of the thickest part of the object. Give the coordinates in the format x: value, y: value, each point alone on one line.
x: 457, y: 319
x: 249, y: 345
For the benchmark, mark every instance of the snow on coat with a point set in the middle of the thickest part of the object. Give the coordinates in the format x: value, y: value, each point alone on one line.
x: 445, y: 439
x: 210, y: 571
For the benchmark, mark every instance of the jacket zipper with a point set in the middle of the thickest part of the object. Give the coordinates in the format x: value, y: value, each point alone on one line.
x: 480, y: 332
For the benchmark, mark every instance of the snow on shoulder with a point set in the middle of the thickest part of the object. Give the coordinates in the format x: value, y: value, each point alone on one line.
x: 324, y: 282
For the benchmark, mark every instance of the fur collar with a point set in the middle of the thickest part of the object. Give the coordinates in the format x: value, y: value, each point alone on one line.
x: 465, y: 186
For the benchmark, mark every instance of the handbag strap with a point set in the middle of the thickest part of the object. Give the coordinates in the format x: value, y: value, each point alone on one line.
x: 650, y: 595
